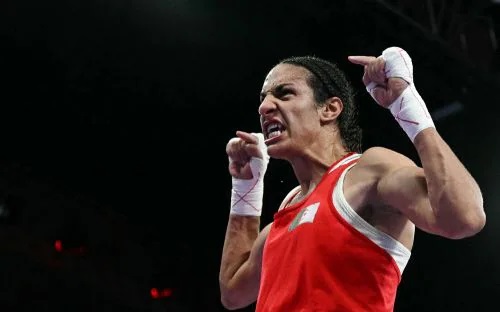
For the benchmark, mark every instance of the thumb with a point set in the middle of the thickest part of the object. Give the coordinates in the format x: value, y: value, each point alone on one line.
x: 379, y: 94
x: 259, y: 149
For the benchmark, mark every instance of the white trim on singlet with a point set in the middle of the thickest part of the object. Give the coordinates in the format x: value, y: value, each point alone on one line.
x: 345, y: 161
x: 289, y: 196
x: 398, y: 251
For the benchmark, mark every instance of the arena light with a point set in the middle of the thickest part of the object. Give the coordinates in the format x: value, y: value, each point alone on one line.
x: 68, y: 247
x: 160, y: 293
x: 58, y: 245
x: 154, y: 293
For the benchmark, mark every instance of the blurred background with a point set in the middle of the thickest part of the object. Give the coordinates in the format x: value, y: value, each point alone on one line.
x: 114, y: 116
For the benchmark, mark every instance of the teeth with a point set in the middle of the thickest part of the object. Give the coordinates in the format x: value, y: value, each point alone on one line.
x: 274, y: 134
x: 274, y: 129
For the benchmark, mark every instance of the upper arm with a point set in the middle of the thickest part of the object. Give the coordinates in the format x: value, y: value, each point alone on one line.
x: 401, y: 185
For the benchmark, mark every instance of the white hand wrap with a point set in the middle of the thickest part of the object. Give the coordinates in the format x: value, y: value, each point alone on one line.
x: 409, y: 108
x: 247, y: 195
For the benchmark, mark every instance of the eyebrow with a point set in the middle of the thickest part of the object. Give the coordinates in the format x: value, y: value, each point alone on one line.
x: 274, y: 89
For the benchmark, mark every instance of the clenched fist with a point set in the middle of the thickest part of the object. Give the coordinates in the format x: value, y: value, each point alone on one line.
x: 241, y: 149
x: 385, y: 84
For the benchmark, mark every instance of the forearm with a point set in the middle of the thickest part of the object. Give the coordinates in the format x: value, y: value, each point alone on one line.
x: 454, y: 195
x: 241, y: 233
x: 237, y: 279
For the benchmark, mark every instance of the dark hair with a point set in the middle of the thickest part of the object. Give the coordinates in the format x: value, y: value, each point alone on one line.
x: 328, y: 80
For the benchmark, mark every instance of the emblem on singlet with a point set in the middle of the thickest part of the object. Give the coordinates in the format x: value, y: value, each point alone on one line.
x: 305, y: 215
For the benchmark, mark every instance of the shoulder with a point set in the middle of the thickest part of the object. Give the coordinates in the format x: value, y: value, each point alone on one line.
x: 373, y: 165
x: 362, y: 181
x: 383, y: 159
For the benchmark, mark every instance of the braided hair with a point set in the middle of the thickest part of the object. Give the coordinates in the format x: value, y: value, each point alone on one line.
x: 327, y: 80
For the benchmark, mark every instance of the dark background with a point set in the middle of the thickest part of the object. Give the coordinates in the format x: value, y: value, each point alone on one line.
x: 114, y: 118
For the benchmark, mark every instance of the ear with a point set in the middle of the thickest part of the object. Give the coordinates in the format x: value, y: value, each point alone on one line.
x: 331, y: 109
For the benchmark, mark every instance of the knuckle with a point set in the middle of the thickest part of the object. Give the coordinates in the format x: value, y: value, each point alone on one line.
x: 232, y: 141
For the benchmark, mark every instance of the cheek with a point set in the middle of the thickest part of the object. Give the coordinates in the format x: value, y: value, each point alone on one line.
x: 303, y: 118
x: 306, y: 127
x: 309, y: 118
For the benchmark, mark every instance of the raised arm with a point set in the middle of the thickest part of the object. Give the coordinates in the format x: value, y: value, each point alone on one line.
x: 239, y: 275
x: 441, y: 197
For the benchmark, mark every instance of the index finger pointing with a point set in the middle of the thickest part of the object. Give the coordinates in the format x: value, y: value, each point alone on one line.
x: 361, y: 59
x: 247, y: 137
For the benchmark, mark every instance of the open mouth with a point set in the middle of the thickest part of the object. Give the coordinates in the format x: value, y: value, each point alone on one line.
x: 274, y: 129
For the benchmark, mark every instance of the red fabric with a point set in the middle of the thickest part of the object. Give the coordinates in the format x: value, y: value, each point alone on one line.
x: 324, y: 265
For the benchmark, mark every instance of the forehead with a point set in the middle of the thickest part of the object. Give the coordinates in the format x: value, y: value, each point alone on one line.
x: 285, y: 73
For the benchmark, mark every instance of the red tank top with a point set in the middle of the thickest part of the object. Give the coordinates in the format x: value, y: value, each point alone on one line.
x: 314, y: 260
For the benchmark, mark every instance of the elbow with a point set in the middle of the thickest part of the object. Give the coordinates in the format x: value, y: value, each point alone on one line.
x: 230, y: 302
x: 467, y: 226
x: 230, y: 299
x: 458, y: 217
x: 474, y: 224
x: 227, y: 304
x: 226, y: 298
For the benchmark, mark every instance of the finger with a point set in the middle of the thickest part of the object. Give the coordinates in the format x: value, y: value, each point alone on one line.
x: 236, y: 151
x: 253, y: 150
x: 370, y: 72
x: 396, y: 83
x: 361, y: 59
x: 243, y: 155
x: 375, y: 71
x: 247, y: 137
x: 366, y: 78
x: 379, y: 69
x: 230, y: 146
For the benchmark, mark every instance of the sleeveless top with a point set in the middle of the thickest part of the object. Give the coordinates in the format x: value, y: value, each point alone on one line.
x: 320, y: 255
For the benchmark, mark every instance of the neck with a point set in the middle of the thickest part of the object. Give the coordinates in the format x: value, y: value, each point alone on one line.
x: 310, y: 167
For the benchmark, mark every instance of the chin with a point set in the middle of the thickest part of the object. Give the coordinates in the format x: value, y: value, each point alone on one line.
x: 278, y: 151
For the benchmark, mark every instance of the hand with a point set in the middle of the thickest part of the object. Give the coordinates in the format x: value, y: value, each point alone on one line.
x: 240, y: 150
x: 383, y: 89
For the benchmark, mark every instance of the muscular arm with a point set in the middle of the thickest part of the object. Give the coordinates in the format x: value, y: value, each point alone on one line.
x: 239, y: 275
x: 441, y: 197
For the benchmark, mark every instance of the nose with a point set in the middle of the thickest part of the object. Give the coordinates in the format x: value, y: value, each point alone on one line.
x: 267, y: 105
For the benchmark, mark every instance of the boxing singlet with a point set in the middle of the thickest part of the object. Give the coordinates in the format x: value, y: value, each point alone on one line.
x: 320, y: 255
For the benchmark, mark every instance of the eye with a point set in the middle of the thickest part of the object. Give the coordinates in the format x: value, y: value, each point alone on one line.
x: 283, y: 93
x: 280, y: 92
